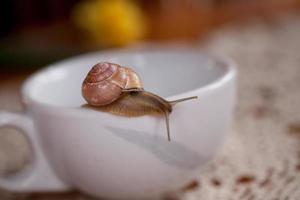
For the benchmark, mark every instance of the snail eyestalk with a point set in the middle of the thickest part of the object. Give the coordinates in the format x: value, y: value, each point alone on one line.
x: 167, y: 124
x: 181, y: 100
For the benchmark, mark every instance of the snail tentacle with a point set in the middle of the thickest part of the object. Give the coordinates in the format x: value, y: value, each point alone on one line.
x: 167, y: 120
x: 173, y: 103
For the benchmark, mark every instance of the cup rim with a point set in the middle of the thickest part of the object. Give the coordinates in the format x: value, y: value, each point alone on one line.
x: 229, y: 74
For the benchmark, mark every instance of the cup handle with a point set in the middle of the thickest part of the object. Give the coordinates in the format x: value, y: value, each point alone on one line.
x: 38, y: 175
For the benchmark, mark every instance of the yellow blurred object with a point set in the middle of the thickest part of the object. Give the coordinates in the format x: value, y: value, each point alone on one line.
x: 111, y: 22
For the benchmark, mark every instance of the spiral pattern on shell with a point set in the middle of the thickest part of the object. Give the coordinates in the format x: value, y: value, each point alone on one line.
x: 105, y: 82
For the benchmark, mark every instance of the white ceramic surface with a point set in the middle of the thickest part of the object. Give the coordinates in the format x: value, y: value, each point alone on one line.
x: 117, y: 157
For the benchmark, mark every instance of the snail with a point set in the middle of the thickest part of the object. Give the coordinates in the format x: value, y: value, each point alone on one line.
x: 118, y: 90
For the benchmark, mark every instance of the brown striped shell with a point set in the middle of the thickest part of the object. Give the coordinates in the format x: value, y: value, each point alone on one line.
x: 105, y: 83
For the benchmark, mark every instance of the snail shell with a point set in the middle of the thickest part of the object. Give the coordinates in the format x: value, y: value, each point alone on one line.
x: 105, y: 83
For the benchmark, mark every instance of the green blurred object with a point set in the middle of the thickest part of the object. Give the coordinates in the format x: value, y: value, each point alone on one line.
x: 32, y: 49
x: 23, y: 58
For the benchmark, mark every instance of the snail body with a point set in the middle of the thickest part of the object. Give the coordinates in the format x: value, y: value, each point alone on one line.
x: 118, y: 90
x: 135, y: 104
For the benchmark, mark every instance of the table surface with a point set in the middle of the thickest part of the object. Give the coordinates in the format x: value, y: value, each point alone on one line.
x: 261, y: 157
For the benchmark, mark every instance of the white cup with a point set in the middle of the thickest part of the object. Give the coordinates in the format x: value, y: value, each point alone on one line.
x: 117, y: 157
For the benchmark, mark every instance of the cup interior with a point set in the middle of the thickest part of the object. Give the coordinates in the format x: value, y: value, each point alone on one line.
x: 166, y: 73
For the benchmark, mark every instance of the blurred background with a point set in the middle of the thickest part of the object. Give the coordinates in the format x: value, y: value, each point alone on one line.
x: 34, y: 33
x: 261, y: 158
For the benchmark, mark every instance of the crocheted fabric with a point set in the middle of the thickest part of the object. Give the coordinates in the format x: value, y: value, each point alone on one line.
x: 261, y: 157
